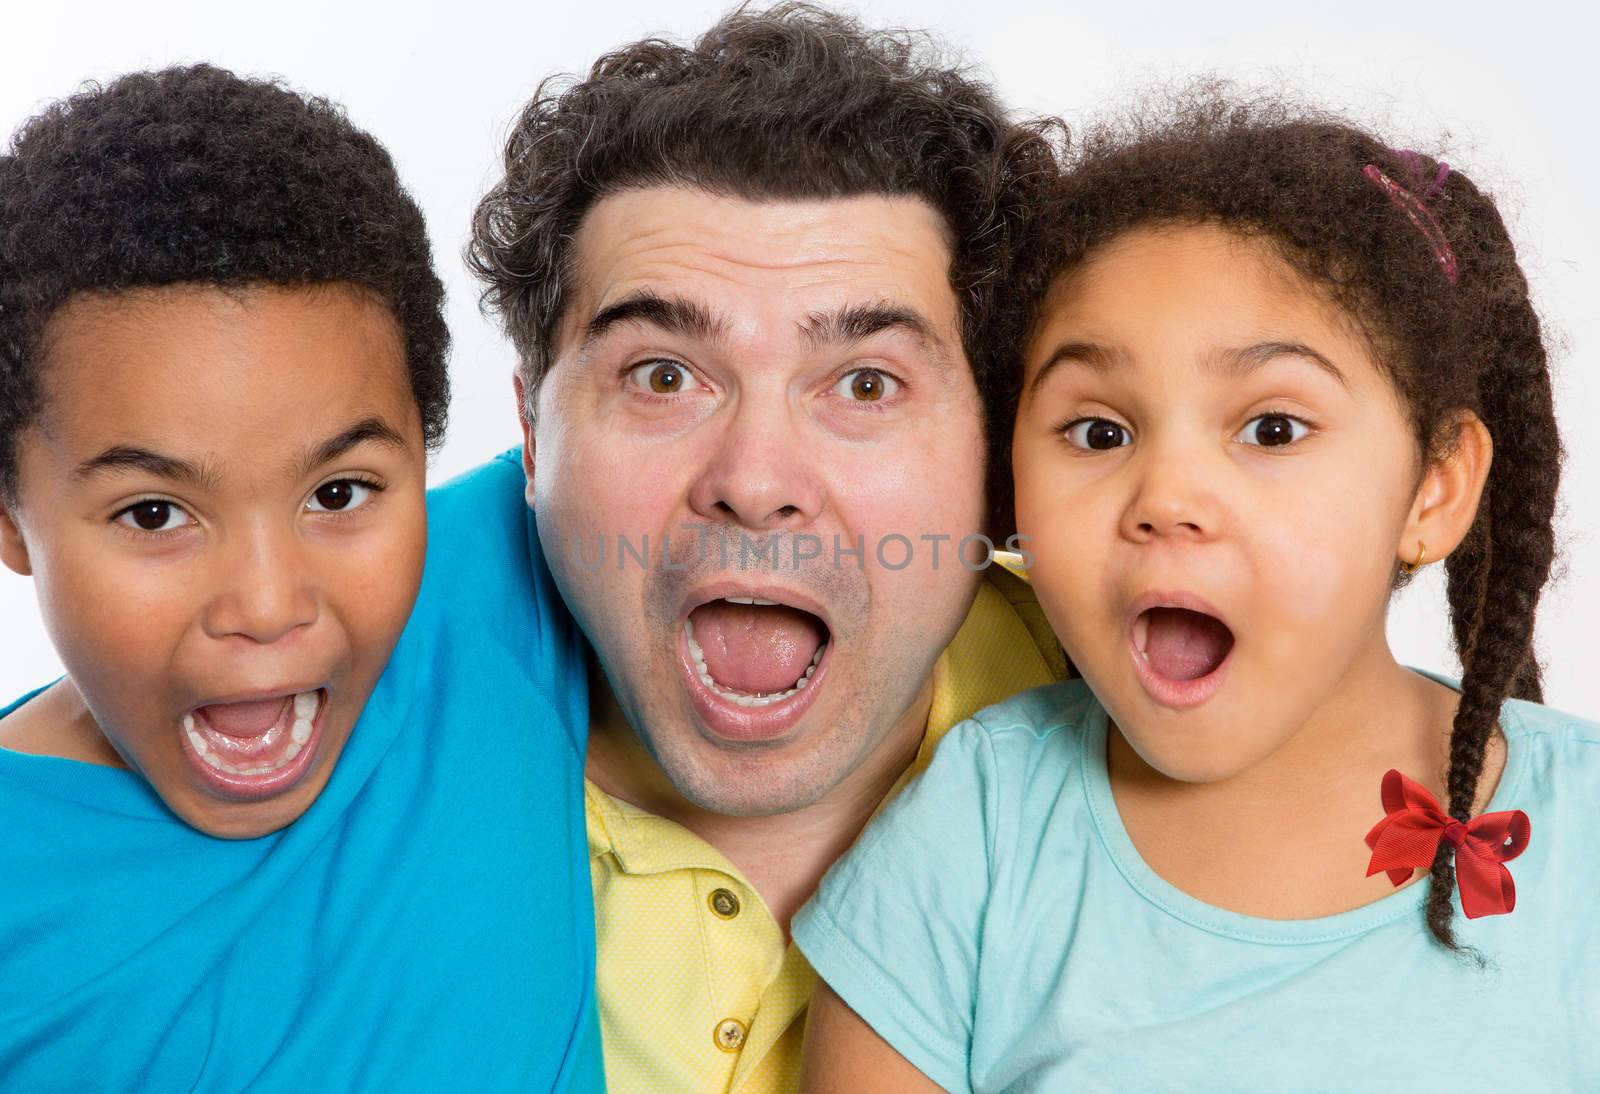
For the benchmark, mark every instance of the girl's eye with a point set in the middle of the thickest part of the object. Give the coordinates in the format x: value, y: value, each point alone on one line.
x: 866, y: 385
x: 1272, y: 431
x: 663, y: 378
x: 339, y: 495
x: 154, y: 515
x: 1097, y: 434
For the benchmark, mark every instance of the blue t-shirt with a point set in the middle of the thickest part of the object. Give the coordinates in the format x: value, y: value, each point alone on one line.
x: 426, y: 925
x: 997, y: 927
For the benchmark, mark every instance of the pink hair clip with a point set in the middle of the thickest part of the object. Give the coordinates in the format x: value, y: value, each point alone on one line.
x: 1414, y: 209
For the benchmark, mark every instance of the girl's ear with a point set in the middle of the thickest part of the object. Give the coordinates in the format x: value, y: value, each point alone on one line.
x: 13, y: 549
x: 1447, y: 500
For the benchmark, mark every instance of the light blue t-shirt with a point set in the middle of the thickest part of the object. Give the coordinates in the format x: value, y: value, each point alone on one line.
x: 997, y: 927
x: 426, y: 925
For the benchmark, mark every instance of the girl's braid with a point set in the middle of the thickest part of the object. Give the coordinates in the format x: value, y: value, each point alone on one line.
x: 1495, y: 580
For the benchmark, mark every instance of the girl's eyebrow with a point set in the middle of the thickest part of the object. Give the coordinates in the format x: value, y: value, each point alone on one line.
x: 1236, y: 362
x: 1241, y: 362
x: 123, y: 458
x: 1092, y: 355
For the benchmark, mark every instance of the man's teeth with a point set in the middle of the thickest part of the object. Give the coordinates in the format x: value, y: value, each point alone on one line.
x: 306, y: 704
x: 756, y: 600
x: 742, y: 698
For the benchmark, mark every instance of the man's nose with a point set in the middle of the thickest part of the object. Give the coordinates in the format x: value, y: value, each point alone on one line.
x: 264, y: 589
x: 1176, y: 495
x: 761, y: 474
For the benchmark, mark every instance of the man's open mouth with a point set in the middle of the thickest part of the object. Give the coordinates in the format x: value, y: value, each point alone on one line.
x: 754, y: 659
x: 1179, y: 652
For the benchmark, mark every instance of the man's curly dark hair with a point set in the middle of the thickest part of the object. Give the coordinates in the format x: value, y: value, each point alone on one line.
x: 195, y: 175
x: 790, y: 103
x: 1455, y: 330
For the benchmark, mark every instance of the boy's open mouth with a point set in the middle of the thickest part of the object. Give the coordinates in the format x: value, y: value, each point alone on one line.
x: 254, y: 748
x: 1179, y: 653
x: 752, y: 659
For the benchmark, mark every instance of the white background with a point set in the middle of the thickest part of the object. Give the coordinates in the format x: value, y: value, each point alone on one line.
x: 1510, y: 85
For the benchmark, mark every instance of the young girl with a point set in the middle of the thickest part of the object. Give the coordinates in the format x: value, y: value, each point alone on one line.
x: 1280, y: 367
x: 237, y: 851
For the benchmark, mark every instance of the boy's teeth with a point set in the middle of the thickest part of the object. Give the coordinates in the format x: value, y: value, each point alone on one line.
x: 741, y: 698
x: 306, y: 705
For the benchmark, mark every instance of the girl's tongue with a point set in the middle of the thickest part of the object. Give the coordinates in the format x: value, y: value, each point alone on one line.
x: 759, y: 649
x: 1183, y: 645
x: 250, y: 719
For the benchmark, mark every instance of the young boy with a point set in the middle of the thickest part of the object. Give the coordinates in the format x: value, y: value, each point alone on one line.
x: 232, y: 855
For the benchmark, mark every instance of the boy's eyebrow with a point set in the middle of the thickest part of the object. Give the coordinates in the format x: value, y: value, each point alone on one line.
x: 367, y: 429
x: 673, y: 313
x: 125, y: 457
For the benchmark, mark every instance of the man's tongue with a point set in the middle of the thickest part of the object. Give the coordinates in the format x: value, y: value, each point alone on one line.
x: 753, y: 648
x: 244, y: 719
x: 1185, y: 645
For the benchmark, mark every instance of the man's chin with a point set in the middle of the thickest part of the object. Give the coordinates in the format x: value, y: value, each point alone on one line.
x: 746, y: 782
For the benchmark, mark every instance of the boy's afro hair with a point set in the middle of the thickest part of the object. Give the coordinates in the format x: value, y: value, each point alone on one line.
x: 195, y: 175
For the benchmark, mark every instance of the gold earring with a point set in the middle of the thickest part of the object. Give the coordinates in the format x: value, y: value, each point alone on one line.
x: 1422, y: 557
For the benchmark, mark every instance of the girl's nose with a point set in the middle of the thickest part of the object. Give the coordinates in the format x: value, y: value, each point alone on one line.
x: 1176, y: 498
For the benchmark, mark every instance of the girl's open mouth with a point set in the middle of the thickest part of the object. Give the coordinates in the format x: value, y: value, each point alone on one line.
x: 1180, y: 654
x: 253, y: 749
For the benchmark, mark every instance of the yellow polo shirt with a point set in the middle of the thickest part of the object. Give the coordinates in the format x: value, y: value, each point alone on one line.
x: 698, y: 989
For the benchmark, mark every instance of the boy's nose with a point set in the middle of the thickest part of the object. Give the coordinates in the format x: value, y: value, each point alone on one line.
x: 264, y: 592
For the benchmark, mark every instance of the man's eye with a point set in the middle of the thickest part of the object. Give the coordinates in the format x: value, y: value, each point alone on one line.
x: 1097, y: 434
x: 1272, y: 431
x: 663, y: 378
x: 154, y: 515
x: 866, y: 385
x: 339, y: 495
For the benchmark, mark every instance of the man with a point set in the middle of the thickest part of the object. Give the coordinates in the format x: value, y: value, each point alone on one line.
x: 757, y: 288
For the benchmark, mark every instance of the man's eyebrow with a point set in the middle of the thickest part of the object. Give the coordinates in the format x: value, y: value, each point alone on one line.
x: 1092, y: 355
x: 1243, y: 361
x: 677, y: 314
x: 127, y: 457
x: 367, y: 429
x: 856, y: 322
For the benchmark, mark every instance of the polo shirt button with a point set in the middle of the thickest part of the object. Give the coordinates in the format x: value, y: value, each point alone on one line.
x: 724, y: 903
x: 729, y: 1035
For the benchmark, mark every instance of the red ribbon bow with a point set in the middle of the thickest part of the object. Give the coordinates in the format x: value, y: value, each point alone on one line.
x: 1408, y: 838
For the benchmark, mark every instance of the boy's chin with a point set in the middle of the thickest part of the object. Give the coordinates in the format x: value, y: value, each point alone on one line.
x: 243, y: 820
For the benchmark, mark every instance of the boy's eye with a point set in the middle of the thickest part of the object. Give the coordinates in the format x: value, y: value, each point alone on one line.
x: 154, y: 516
x: 1098, y: 434
x: 663, y: 377
x: 866, y: 385
x: 341, y: 494
x: 1272, y: 430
